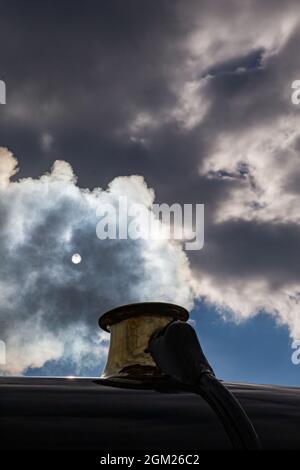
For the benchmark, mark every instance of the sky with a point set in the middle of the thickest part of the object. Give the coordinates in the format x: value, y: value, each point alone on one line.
x: 169, y: 102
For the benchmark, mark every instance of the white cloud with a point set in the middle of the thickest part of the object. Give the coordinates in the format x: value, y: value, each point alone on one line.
x: 268, y: 158
x: 49, y: 306
x: 242, y: 299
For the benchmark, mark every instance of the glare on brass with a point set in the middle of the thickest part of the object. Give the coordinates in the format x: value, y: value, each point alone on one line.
x: 131, y: 327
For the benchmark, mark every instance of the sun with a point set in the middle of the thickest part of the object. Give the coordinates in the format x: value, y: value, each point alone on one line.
x: 76, y: 258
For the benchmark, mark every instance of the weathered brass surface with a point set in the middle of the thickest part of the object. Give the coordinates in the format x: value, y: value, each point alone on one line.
x: 128, y: 343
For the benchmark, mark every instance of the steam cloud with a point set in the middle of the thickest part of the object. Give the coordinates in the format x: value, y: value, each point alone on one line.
x: 49, y: 306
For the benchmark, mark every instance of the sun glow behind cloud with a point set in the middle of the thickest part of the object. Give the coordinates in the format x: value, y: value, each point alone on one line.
x: 49, y: 306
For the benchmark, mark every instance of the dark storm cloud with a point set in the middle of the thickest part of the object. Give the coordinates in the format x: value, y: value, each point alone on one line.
x: 83, y: 71
x: 194, y: 96
x: 242, y: 249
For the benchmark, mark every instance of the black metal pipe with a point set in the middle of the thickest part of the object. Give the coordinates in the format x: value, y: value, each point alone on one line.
x: 177, y: 352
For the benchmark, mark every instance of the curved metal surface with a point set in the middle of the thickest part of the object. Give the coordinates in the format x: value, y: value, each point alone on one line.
x: 118, y: 314
x: 62, y: 413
